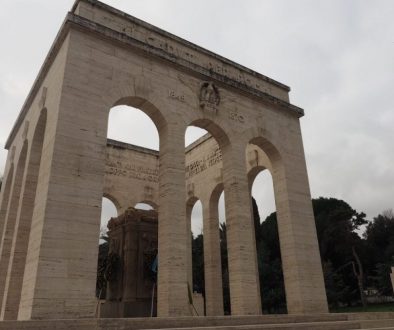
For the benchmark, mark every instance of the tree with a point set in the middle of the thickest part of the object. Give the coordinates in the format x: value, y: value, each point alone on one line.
x: 198, y: 264
x: 340, y: 245
x: 101, y: 282
x: 379, y: 237
x: 272, y: 290
x: 225, y: 272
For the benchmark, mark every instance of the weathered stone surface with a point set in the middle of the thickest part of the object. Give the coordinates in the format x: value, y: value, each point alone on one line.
x: 102, y: 58
x: 268, y: 322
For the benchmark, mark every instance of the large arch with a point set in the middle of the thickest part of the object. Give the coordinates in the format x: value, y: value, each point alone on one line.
x: 299, y: 252
x: 269, y: 261
x: 122, y: 96
x: 192, y: 200
x: 214, y: 129
x: 171, y: 185
x: 9, y: 225
x: 144, y: 204
x: 16, y: 268
x: 213, y: 263
x: 113, y: 200
x: 6, y: 189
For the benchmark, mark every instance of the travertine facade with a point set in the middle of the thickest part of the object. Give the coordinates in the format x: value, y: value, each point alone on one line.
x: 55, y: 176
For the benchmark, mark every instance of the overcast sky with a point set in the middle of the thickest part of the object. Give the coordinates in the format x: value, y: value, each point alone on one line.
x: 337, y: 57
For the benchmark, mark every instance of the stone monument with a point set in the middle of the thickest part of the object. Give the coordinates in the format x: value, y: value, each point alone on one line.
x: 131, y: 288
x: 60, y: 164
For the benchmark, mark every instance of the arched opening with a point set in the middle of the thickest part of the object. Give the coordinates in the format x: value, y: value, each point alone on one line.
x: 23, y: 223
x: 132, y: 162
x: 220, y: 204
x: 272, y: 290
x: 146, y: 205
x: 197, y: 248
x: 10, y: 222
x: 6, y: 189
x: 108, y: 210
x: 195, y: 259
x: 192, y: 134
x: 133, y: 126
x: 203, y: 170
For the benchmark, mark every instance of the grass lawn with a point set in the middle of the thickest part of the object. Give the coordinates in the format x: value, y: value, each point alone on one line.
x: 369, y: 308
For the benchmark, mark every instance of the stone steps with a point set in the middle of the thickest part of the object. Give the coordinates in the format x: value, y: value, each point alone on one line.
x: 265, y: 322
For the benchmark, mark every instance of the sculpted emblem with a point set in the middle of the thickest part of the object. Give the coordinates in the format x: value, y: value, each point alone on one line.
x: 209, y: 96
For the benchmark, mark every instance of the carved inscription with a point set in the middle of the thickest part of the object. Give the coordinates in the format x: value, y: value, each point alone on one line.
x: 200, y: 165
x: 130, y: 170
x: 178, y: 50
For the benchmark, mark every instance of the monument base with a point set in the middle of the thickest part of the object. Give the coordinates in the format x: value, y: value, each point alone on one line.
x: 337, y: 321
x: 113, y: 309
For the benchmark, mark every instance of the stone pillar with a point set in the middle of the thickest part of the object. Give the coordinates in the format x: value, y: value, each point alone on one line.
x: 212, y: 259
x: 241, y: 241
x: 10, y: 220
x: 61, y: 264
x: 172, y: 254
x: 302, y: 270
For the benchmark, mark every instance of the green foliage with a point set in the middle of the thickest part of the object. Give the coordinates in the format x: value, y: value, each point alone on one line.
x: 198, y: 264
x: 379, y: 235
x: 382, y: 280
x: 379, y: 238
x: 101, y: 283
x: 273, y: 298
x: 225, y: 273
x: 340, y: 245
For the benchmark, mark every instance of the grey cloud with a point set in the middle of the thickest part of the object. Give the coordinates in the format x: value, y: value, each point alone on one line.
x: 337, y: 56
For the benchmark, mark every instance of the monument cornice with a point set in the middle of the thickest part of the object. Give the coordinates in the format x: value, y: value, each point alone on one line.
x: 78, y: 22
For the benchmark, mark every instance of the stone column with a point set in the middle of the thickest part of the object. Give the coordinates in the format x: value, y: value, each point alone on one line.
x: 61, y: 264
x: 303, y: 276
x: 212, y: 259
x: 172, y: 252
x: 241, y: 242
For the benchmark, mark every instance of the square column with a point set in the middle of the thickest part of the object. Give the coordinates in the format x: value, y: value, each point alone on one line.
x: 61, y: 263
x: 241, y: 241
x: 172, y: 290
x: 212, y: 260
x: 302, y: 270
